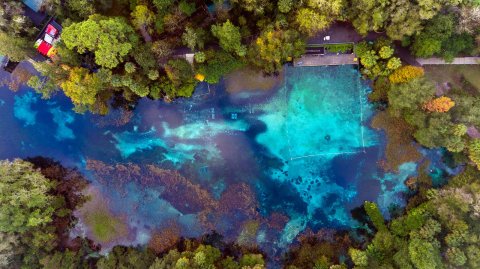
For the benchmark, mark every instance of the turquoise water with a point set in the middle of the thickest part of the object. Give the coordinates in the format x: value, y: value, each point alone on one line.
x: 298, y: 156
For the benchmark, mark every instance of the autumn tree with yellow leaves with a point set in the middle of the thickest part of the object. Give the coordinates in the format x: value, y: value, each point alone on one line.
x: 275, y: 46
x: 82, y: 87
x: 406, y: 73
x: 441, y: 104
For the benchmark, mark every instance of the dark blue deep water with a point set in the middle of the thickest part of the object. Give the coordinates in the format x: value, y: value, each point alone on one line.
x: 256, y: 166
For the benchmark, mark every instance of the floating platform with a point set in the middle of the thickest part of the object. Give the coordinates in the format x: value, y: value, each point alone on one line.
x: 323, y: 60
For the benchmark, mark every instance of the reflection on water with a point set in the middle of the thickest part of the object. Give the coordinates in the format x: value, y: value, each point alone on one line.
x: 255, y: 166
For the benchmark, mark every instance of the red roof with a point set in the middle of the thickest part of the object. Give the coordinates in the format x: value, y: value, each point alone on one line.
x: 51, y: 30
x: 44, y: 47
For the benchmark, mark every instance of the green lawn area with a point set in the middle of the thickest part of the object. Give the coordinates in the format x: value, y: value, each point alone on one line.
x: 333, y: 48
x: 457, y: 75
x: 338, y: 47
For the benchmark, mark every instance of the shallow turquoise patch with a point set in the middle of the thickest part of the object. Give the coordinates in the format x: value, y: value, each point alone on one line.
x: 130, y: 142
x: 319, y: 111
x: 62, y: 118
x: 393, y: 185
x: 23, y: 110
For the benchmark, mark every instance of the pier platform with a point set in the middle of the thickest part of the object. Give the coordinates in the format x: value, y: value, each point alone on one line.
x: 322, y: 60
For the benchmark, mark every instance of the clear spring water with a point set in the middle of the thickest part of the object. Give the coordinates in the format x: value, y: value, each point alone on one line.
x: 304, y: 150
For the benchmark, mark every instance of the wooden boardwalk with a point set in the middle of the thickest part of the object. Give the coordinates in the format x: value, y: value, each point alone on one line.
x: 323, y: 60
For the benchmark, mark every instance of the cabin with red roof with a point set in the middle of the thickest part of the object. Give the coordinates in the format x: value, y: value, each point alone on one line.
x: 49, y: 35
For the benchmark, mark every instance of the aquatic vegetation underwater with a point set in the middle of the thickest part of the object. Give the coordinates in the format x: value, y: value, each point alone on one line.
x: 255, y: 166
x: 104, y: 227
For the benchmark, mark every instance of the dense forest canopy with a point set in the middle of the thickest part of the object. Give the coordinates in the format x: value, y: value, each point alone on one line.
x: 135, y: 48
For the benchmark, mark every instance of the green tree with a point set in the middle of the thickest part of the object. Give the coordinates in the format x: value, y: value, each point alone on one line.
x: 110, y: 39
x: 142, y: 17
x: 310, y: 21
x: 256, y: 6
x: 82, y: 8
x: 63, y: 259
x: 206, y: 256
x: 153, y: 74
x: 469, y: 19
x: 474, y: 152
x: 180, y: 73
x: 394, y: 63
x: 52, y: 76
x: 274, y: 47
x: 162, y: 5
x: 399, y: 18
x: 466, y: 109
x: 144, y: 57
x: 426, y: 46
x: 456, y: 256
x: 285, y: 6
x: 126, y: 257
x: 369, y: 59
x: 424, y: 255
x: 11, y: 250
x: 218, y: 64
x: 459, y: 129
x: 161, y: 49
x: 440, y: 232
x: 25, y: 202
x: 359, y: 257
x: 438, y: 130
x: 375, y: 215
x: 137, y: 86
x: 200, y: 57
x: 229, y: 38
x: 473, y: 256
x: 409, y: 96
x: 368, y: 15
x: 82, y: 86
x: 430, y: 40
x: 456, y: 44
x: 130, y: 67
x: 385, y: 52
x: 194, y: 38
x: 13, y: 20
x: 66, y: 56
x: 16, y: 48
x: 250, y: 260
x: 187, y: 8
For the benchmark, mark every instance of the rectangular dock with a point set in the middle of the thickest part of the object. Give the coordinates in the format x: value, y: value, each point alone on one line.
x: 324, y: 60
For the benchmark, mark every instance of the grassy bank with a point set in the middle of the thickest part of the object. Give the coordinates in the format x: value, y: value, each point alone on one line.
x: 457, y: 75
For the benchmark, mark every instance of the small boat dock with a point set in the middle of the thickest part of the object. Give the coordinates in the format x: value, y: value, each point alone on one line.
x: 325, y: 60
x: 325, y: 54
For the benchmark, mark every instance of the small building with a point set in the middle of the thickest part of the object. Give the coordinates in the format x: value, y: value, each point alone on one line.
x: 49, y: 35
x: 35, y: 5
x: 190, y: 57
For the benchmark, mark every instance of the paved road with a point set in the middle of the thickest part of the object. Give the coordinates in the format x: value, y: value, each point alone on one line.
x: 341, y: 32
x: 459, y: 60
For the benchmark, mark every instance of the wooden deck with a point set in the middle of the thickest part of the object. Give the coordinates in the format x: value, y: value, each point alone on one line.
x: 321, y: 60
